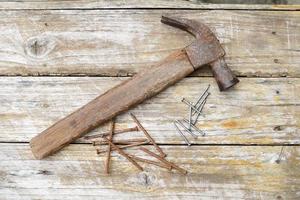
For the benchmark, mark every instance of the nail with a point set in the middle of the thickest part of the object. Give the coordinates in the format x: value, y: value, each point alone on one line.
x: 199, y: 99
x: 180, y: 132
x: 115, y: 133
x: 183, y: 171
x: 186, y: 129
x: 188, y: 103
x: 107, y: 163
x: 121, y: 152
x: 147, y: 135
x: 195, y: 128
x: 200, y: 112
x: 151, y: 162
x: 122, y: 142
x: 280, y: 155
x: 200, y: 108
x: 190, y: 117
x: 124, y: 147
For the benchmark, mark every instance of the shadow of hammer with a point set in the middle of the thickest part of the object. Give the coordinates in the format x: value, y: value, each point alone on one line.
x: 206, y: 49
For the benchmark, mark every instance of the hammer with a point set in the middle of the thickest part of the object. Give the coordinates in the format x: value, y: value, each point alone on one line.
x: 206, y: 49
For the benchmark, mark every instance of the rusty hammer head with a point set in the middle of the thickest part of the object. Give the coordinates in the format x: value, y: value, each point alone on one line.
x: 206, y: 49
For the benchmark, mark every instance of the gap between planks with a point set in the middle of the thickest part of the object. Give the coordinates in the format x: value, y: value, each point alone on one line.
x: 142, y: 4
x: 279, y: 9
x: 181, y: 145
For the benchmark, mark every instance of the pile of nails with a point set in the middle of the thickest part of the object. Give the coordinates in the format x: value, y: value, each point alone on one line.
x: 119, y: 146
x: 195, y: 110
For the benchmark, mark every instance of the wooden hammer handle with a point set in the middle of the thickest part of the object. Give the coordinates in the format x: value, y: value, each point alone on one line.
x: 116, y: 100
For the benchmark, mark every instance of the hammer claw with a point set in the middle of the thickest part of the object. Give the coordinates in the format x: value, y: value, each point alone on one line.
x: 197, y: 29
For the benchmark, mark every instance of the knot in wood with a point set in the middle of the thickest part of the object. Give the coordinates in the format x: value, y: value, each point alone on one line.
x: 39, y: 47
x: 146, y: 178
x: 143, y: 180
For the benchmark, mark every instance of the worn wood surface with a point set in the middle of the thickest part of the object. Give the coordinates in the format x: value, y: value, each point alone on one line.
x: 215, y: 172
x: 122, y: 42
x: 256, y: 111
x: 245, y: 127
x: 113, y: 102
x: 146, y: 4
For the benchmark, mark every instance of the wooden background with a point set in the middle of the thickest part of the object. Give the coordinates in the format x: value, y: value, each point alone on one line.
x: 55, y: 56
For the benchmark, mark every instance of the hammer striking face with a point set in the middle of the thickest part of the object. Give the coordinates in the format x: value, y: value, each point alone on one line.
x: 206, y: 49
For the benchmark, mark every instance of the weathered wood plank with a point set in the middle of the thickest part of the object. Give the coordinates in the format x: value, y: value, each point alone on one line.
x: 122, y: 42
x: 180, y: 4
x: 256, y: 111
x: 113, y: 102
x: 215, y: 172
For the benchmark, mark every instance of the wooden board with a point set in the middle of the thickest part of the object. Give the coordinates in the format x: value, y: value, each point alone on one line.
x: 256, y: 111
x: 215, y: 172
x: 119, y: 38
x: 129, y: 4
x: 122, y: 42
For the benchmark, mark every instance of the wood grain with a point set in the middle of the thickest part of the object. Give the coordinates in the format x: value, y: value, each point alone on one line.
x: 215, y: 172
x: 256, y: 111
x: 122, y: 42
x: 123, y: 4
x: 119, y: 99
x: 46, y: 38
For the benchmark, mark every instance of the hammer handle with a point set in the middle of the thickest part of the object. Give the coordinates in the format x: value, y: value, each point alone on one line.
x: 116, y: 100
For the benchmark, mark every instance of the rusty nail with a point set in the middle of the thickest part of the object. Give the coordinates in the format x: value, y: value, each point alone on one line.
x: 151, y: 162
x: 122, y: 142
x: 121, y: 152
x: 125, y: 146
x: 101, y: 135
x: 107, y: 163
x: 147, y: 135
x: 183, y: 171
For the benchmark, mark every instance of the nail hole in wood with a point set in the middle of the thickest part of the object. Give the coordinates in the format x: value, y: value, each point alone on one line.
x: 45, y: 105
x: 278, y: 128
x: 45, y: 172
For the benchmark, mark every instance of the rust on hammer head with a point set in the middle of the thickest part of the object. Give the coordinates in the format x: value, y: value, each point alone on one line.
x: 206, y: 49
